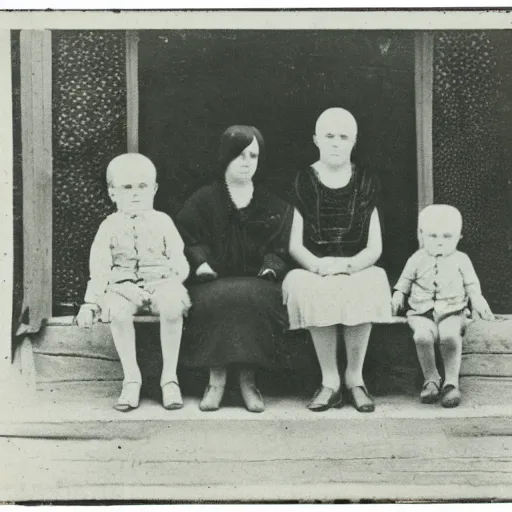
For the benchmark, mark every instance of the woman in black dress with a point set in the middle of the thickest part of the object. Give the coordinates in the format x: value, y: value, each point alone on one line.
x: 236, y: 240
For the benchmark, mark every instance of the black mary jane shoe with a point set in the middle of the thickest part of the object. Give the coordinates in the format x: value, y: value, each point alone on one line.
x: 325, y: 398
x: 360, y: 399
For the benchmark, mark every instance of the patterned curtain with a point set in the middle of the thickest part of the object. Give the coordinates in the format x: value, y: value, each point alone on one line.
x: 471, y: 141
x: 89, y: 129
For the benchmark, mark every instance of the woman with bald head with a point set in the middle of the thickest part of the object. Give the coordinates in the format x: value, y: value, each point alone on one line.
x: 336, y: 238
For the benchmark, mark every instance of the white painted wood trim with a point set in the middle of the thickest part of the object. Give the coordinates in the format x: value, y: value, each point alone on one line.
x: 132, y: 91
x: 424, y: 78
x: 36, y: 134
x: 6, y: 202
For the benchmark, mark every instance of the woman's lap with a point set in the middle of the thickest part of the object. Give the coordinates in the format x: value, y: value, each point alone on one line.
x: 316, y: 301
x: 234, y: 320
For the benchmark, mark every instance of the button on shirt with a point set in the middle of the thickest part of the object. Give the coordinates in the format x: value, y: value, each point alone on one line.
x: 439, y: 283
x: 141, y: 247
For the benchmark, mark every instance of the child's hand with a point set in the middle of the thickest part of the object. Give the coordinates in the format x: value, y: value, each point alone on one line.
x: 480, y: 306
x: 206, y: 273
x: 397, y: 302
x: 86, y: 316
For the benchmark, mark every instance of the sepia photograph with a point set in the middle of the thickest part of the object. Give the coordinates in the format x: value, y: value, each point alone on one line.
x: 256, y: 256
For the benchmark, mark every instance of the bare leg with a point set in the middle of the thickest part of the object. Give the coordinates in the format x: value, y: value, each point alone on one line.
x: 325, y: 342
x: 425, y: 333
x: 450, y: 340
x: 356, y: 343
x: 170, y: 340
x: 167, y: 302
x: 123, y: 333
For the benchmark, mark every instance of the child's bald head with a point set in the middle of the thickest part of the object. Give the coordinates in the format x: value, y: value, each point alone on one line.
x: 443, y: 215
x: 439, y: 229
x: 131, y: 180
x: 133, y: 164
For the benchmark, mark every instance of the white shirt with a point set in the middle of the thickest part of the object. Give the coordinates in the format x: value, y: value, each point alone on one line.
x: 139, y: 247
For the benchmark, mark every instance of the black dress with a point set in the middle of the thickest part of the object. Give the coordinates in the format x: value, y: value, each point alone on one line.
x: 238, y: 317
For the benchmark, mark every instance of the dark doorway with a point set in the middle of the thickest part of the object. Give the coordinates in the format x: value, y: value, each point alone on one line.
x: 194, y: 84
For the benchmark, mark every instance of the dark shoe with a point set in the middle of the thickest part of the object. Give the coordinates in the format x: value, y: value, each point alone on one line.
x: 252, y: 398
x: 129, y: 398
x: 325, y: 398
x: 212, y: 398
x: 171, y: 396
x: 450, y: 396
x: 430, y: 392
x: 360, y: 399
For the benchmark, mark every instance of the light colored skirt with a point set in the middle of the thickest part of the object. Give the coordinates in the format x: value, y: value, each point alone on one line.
x: 316, y: 301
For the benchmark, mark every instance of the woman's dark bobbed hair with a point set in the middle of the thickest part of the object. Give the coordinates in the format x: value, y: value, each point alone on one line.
x: 234, y: 140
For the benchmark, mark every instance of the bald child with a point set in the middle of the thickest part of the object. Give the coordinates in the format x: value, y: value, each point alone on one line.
x: 137, y: 266
x: 435, y: 288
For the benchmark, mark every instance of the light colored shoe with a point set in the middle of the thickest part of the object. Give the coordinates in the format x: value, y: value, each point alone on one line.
x: 212, y: 398
x: 171, y: 396
x: 429, y: 392
x: 129, y: 397
x: 252, y: 398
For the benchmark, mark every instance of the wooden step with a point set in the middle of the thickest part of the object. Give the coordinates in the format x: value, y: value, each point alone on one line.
x: 69, y: 443
x: 65, y: 353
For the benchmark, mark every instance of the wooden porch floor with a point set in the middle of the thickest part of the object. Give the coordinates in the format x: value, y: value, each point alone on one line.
x: 68, y: 443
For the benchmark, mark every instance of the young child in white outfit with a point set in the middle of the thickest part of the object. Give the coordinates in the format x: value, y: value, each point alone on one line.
x: 137, y: 266
x: 439, y: 282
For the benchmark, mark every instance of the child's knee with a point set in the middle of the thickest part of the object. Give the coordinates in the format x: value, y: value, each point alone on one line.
x: 423, y: 337
x: 172, y: 302
x: 450, y: 332
x: 171, y: 307
x: 172, y: 311
x: 120, y: 310
x: 450, y: 338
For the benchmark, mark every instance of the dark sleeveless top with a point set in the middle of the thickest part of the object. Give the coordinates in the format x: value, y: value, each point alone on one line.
x: 336, y: 220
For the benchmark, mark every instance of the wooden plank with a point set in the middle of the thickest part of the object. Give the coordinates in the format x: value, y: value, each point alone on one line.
x: 463, y: 471
x: 132, y: 90
x: 71, y: 340
x: 489, y: 337
x: 479, y: 394
x: 6, y: 203
x: 23, y: 490
x: 424, y: 79
x: 50, y: 368
x: 70, y: 320
x: 272, y: 443
x: 25, y: 355
x: 63, y: 338
x: 286, y: 424
x: 486, y: 365
x: 36, y: 119
x: 400, y: 320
